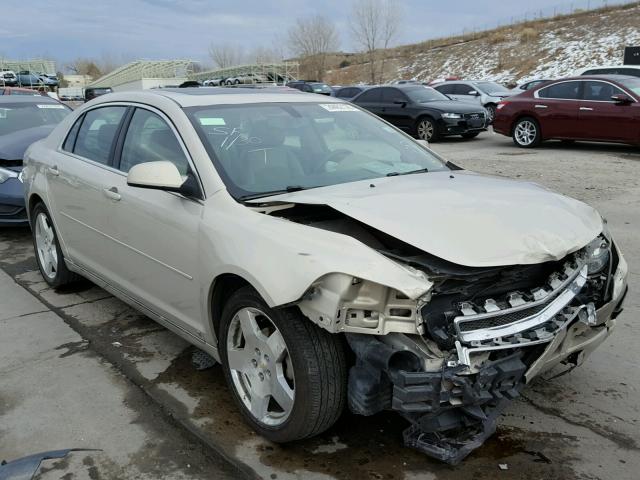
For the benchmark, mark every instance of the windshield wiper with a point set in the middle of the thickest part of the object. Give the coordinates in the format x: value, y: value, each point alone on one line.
x: 287, y: 189
x: 420, y: 170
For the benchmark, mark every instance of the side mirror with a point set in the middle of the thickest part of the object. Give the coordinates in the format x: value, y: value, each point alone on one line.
x: 474, y: 93
x: 402, y: 103
x: 157, y: 176
x: 622, y: 99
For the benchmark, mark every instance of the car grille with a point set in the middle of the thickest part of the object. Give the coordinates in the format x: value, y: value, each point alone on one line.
x: 474, y: 116
x: 501, y: 320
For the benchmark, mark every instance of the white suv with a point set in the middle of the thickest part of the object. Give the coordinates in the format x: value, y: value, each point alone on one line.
x: 279, y: 230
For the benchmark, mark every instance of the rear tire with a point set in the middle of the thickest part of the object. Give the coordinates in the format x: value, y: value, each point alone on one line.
x: 47, y: 249
x: 312, y: 364
x: 526, y: 133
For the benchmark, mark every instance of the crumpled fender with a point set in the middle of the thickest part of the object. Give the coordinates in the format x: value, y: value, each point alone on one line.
x: 281, y: 259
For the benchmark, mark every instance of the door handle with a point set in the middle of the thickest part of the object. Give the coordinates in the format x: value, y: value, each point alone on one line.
x: 541, y: 106
x: 54, y: 170
x: 586, y: 109
x: 111, y: 193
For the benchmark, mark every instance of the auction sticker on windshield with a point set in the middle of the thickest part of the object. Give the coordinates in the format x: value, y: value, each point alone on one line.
x: 338, y: 107
x: 52, y: 106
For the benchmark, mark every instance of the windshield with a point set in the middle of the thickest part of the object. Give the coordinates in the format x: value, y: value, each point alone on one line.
x: 265, y: 148
x: 20, y: 116
x: 425, y: 94
x: 632, y: 84
x: 491, y: 87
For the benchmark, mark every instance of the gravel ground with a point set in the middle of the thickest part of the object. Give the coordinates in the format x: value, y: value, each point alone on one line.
x: 581, y: 425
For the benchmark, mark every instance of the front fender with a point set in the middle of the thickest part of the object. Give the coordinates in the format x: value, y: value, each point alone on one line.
x: 282, y: 259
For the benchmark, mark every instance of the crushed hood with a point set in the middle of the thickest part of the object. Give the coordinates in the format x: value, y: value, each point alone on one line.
x: 464, y: 217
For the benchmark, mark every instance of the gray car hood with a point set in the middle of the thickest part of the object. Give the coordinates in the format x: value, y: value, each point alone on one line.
x: 13, y: 145
x: 464, y: 217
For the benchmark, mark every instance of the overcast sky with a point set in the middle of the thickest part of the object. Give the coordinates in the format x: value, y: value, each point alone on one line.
x: 166, y: 29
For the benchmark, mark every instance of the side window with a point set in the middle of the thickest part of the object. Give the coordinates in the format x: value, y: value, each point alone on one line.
x: 447, y: 88
x: 563, y: 90
x: 97, y: 132
x: 462, y: 89
x: 71, y: 136
x: 149, y: 139
x: 371, y: 96
x: 600, y: 91
x: 390, y: 95
x: 346, y: 92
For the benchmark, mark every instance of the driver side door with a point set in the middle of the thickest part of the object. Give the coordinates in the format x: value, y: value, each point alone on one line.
x: 157, y: 231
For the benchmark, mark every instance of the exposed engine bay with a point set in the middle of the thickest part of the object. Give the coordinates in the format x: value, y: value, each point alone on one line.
x: 452, y: 360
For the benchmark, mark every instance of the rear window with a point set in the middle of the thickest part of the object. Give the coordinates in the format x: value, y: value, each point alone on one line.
x: 563, y: 90
x: 97, y: 132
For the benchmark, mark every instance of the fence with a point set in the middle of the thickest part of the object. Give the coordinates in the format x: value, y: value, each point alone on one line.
x: 558, y: 10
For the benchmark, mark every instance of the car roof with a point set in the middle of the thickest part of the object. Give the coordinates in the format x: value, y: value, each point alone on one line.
x: 604, y: 76
x: 609, y: 66
x: 202, y: 96
x: 27, y: 99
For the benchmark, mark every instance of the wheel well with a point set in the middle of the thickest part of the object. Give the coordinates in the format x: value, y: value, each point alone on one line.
x: 223, y: 287
x: 33, y: 201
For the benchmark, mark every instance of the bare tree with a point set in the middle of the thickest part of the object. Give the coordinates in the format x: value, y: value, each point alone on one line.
x: 375, y: 25
x: 85, y: 66
x: 226, y: 55
x: 312, y: 38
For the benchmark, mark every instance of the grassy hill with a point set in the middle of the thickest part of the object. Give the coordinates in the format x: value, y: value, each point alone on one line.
x: 549, y: 48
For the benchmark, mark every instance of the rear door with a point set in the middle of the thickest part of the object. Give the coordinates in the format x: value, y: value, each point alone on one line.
x: 79, y: 180
x: 600, y: 117
x: 371, y: 100
x: 395, y: 108
x: 556, y: 108
x: 157, y: 232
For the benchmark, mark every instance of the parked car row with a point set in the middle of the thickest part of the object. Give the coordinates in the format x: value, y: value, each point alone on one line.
x: 27, y: 79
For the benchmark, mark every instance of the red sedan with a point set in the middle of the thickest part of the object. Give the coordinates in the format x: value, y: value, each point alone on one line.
x: 601, y: 108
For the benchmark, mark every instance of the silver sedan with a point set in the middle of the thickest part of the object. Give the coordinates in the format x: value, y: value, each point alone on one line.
x: 324, y: 257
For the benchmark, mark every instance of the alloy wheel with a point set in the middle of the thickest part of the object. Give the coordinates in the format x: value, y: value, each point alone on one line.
x: 525, y: 132
x: 46, y: 246
x: 260, y: 366
x: 425, y: 130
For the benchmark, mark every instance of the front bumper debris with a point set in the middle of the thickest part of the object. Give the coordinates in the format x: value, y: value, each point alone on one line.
x: 454, y: 410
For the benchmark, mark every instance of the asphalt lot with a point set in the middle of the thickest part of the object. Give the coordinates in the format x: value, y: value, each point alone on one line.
x: 581, y: 425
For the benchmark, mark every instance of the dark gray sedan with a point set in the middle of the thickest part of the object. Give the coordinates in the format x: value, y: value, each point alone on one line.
x: 23, y: 120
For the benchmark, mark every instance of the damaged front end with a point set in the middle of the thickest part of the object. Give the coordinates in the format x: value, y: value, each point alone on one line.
x: 451, y: 360
x: 450, y: 357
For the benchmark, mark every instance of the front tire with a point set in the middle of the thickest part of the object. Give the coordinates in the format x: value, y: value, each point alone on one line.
x: 287, y: 375
x: 47, y: 249
x: 426, y: 129
x: 491, y: 112
x: 526, y: 133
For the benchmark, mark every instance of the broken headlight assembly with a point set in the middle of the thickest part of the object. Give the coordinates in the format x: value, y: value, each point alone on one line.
x: 599, y: 253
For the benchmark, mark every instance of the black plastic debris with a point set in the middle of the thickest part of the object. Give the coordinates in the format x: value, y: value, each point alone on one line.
x: 202, y: 360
